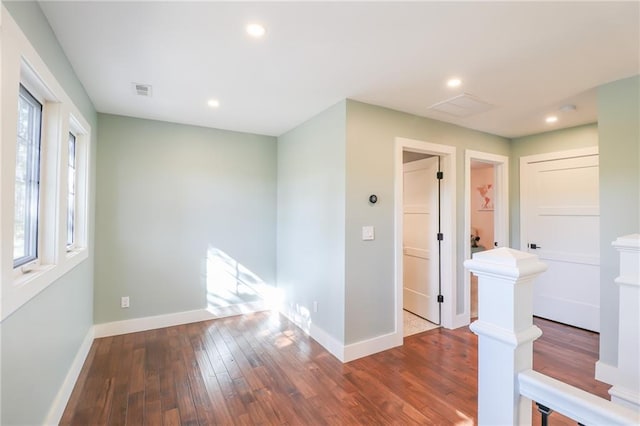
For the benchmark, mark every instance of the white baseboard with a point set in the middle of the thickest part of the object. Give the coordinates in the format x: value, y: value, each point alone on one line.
x: 335, y: 347
x: 62, y: 398
x: 371, y: 346
x: 327, y: 341
x: 606, y: 373
x: 178, y: 318
x: 149, y: 323
x: 318, y: 334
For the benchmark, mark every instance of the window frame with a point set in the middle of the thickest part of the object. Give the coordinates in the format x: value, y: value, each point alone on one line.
x: 79, y: 129
x: 72, y: 207
x: 21, y: 64
x: 32, y: 182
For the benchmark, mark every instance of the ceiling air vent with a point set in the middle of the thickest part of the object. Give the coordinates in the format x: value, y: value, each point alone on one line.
x: 463, y: 105
x: 142, y: 89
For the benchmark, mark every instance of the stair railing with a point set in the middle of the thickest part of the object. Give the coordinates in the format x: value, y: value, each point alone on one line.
x: 507, y: 383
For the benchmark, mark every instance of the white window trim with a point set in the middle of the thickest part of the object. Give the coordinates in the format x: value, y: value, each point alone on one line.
x: 79, y: 129
x: 71, y: 247
x: 20, y: 63
x: 27, y: 241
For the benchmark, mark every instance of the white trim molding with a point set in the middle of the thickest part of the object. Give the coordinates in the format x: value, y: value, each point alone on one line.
x: 327, y: 341
x: 606, y: 373
x: 500, y: 219
x: 64, y: 393
x: 135, y: 325
x: 344, y: 353
x: 368, y: 347
x: 150, y: 323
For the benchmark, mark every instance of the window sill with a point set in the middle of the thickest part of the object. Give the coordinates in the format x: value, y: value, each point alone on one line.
x: 34, y: 273
x: 28, y: 285
x: 75, y: 252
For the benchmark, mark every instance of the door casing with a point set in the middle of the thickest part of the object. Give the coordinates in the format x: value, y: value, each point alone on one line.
x: 448, y: 213
x: 500, y: 214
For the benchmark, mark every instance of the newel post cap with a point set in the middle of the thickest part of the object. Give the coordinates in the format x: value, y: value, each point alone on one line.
x: 631, y: 241
x: 505, y: 262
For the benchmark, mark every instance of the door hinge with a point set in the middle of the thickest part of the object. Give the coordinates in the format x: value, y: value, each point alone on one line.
x: 440, y: 298
x: 440, y: 236
x: 439, y: 175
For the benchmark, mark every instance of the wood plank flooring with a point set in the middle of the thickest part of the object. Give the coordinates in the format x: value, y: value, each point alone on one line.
x: 261, y: 369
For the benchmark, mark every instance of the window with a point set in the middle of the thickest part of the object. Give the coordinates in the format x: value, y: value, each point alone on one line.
x: 71, y: 193
x: 45, y: 159
x: 27, y: 182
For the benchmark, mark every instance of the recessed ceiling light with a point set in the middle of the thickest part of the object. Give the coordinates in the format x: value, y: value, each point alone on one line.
x: 454, y: 82
x: 256, y: 30
x: 551, y: 119
x: 213, y: 103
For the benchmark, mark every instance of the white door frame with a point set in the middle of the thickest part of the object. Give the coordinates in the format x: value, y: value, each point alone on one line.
x: 448, y: 214
x: 500, y: 213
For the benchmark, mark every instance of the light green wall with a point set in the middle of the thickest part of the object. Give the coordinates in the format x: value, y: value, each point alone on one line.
x: 619, y: 133
x: 371, y: 133
x: 40, y: 342
x: 166, y: 193
x: 541, y: 143
x: 41, y: 339
x: 311, y: 213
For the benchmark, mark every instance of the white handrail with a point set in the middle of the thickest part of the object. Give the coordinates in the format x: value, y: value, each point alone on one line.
x: 581, y: 406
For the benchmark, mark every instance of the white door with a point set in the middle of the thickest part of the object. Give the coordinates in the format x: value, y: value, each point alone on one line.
x: 561, y: 224
x: 420, y: 245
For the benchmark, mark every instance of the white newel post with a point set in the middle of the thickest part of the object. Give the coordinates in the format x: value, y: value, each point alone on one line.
x: 626, y: 390
x: 505, y: 332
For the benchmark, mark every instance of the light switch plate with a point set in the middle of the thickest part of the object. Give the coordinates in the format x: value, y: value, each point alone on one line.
x: 368, y: 233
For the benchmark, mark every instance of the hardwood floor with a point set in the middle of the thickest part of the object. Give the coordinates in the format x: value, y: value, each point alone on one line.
x: 261, y: 369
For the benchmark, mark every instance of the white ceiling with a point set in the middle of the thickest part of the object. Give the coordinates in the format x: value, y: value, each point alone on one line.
x: 525, y: 58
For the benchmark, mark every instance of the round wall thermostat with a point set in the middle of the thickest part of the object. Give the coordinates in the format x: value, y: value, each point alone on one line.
x: 373, y: 199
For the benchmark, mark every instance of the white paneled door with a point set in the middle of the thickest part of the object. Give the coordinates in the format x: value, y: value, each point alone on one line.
x: 561, y: 224
x: 420, y: 245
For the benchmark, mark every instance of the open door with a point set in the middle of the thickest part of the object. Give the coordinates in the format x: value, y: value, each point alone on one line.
x: 421, y: 258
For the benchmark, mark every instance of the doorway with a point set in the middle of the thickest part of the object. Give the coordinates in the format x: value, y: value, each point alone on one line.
x: 420, y: 246
x: 481, y: 206
x: 486, y: 214
x: 447, y: 272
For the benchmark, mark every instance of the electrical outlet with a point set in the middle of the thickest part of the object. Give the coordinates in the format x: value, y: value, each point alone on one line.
x: 315, y: 306
x: 124, y: 302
